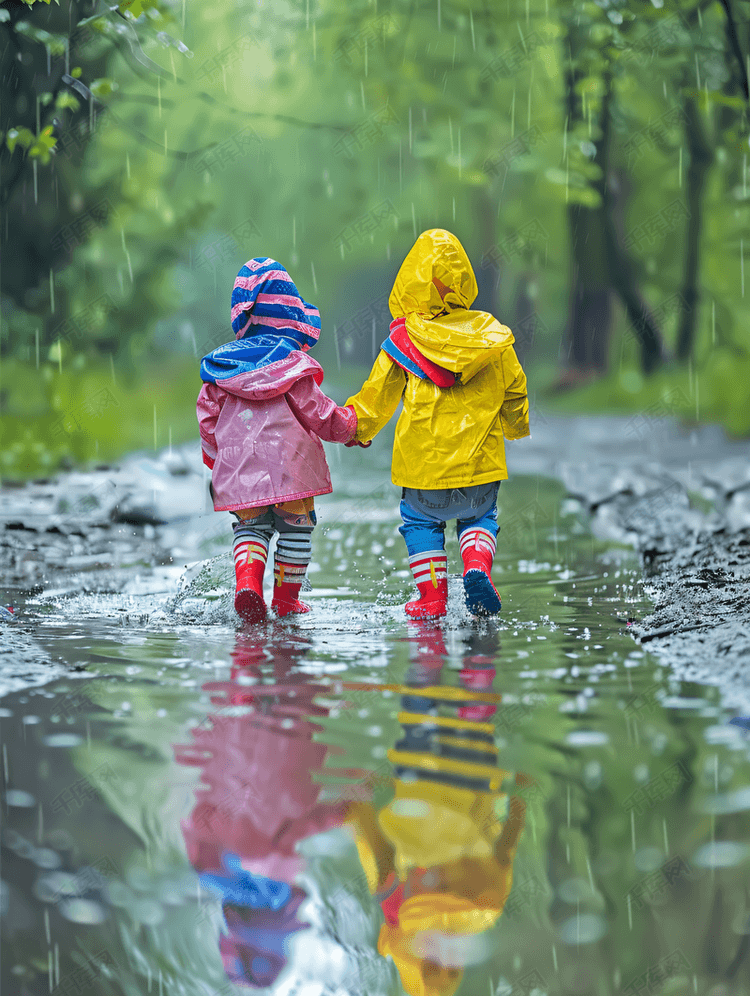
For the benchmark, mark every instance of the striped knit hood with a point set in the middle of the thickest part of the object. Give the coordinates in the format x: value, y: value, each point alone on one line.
x: 265, y: 298
x: 270, y: 320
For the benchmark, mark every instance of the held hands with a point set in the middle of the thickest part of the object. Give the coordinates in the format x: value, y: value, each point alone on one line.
x: 356, y: 442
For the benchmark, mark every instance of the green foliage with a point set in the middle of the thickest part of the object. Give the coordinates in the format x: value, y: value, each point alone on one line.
x: 55, y: 43
x: 310, y: 119
x: 37, y: 146
x: 47, y: 418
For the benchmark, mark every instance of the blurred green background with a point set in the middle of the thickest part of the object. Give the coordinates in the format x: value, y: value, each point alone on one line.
x: 592, y: 157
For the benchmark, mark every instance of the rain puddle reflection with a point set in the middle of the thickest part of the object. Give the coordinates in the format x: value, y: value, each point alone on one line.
x: 352, y: 804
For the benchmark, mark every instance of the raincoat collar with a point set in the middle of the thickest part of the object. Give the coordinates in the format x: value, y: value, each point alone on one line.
x: 245, y: 355
x: 405, y: 354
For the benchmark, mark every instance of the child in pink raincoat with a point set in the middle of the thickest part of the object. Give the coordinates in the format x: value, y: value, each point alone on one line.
x: 262, y: 415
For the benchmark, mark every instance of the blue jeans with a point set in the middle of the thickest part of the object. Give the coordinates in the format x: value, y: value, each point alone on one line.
x: 423, y: 528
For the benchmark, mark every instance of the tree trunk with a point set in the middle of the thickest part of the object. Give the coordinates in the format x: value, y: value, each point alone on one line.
x: 484, y: 212
x: 622, y: 272
x: 590, y: 316
x: 701, y: 160
x: 590, y: 309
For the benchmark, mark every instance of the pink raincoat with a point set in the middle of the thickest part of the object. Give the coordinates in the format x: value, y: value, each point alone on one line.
x: 261, y: 431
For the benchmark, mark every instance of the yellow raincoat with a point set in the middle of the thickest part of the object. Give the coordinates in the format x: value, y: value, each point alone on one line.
x: 454, y: 436
x: 446, y: 842
x: 469, y: 854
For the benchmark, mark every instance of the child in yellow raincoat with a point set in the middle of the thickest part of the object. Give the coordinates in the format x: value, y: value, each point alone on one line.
x: 464, y: 392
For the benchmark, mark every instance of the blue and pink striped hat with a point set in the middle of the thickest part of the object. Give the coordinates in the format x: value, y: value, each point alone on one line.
x: 266, y: 301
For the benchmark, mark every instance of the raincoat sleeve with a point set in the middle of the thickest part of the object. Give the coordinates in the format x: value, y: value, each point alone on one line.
x: 209, y: 408
x: 378, y: 398
x: 319, y: 414
x: 514, y: 411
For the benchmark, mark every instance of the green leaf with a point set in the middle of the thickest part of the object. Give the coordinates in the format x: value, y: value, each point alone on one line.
x: 20, y: 136
x: 43, y: 146
x: 103, y: 87
x: 67, y: 100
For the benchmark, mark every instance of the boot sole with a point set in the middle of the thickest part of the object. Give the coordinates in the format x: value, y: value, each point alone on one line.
x: 250, y: 606
x: 481, y: 597
x: 425, y: 612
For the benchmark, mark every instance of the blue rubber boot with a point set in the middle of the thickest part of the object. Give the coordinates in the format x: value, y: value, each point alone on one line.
x: 482, y: 598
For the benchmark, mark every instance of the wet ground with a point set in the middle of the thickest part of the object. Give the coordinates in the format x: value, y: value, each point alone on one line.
x: 347, y: 803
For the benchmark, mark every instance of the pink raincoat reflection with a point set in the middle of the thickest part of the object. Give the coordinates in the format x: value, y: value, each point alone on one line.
x: 259, y: 801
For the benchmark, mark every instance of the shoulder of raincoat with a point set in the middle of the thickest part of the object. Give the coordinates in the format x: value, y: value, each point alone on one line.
x: 446, y: 436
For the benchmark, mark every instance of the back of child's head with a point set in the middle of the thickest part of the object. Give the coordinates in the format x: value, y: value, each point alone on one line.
x: 436, y: 258
x: 265, y: 301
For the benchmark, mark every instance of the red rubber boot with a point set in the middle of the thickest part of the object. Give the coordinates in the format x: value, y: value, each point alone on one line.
x: 248, y: 598
x: 480, y: 680
x: 430, y: 572
x: 477, y: 552
x: 286, y: 585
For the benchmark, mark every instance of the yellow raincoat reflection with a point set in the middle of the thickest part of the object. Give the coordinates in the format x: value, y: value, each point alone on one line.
x: 446, y: 437
x: 438, y: 857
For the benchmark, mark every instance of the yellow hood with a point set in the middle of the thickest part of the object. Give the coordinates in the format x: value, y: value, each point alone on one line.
x: 446, y: 331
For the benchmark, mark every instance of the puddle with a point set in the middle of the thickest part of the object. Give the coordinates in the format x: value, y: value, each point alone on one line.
x: 348, y: 803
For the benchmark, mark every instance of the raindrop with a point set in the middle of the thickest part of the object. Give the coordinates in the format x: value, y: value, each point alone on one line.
x: 742, y: 266
x: 17, y: 797
x: 721, y: 854
x: 412, y: 808
x: 592, y: 775
x: 62, y: 740
x: 49, y: 888
x: 718, y: 734
x: 45, y: 857
x: 127, y: 254
x: 587, y: 928
x: 83, y: 911
x: 587, y: 738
